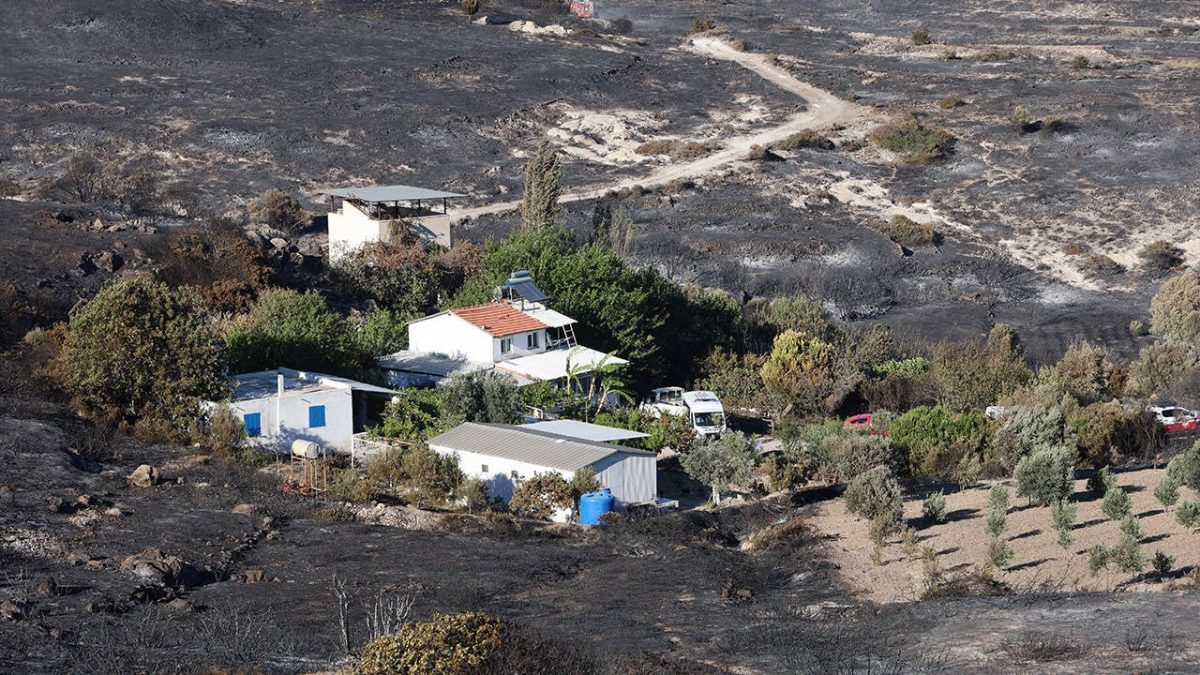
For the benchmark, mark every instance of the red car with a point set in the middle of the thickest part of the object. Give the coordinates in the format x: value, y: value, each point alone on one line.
x: 1175, y: 419
x: 864, y: 422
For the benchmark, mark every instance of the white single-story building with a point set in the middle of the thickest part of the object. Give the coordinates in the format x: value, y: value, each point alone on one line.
x: 503, y: 455
x: 284, y: 405
x: 385, y: 214
x: 585, y: 431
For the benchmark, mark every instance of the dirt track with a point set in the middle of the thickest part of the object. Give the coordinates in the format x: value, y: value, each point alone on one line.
x: 822, y: 109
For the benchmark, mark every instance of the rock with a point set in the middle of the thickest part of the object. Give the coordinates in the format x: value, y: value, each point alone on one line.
x: 246, y: 509
x: 56, y: 634
x: 181, y: 605
x: 744, y: 593
x: 86, y: 265
x: 114, y: 512
x: 56, y: 504
x: 253, y: 576
x: 108, y: 261
x: 13, y: 610
x: 150, y: 593
x: 144, y: 476
x: 151, y: 566
x: 47, y: 587
x: 85, y: 500
x: 279, y: 243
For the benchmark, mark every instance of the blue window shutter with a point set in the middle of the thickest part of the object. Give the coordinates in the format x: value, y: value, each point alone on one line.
x: 253, y: 423
x: 316, y: 416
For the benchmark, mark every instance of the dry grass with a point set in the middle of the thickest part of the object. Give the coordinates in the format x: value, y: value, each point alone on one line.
x: 915, y: 142
x: 909, y: 233
x: 676, y: 150
x: 950, y: 103
x: 809, y: 139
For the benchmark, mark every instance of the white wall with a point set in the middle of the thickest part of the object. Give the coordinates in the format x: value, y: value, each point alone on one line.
x: 451, y: 336
x: 518, y: 346
x: 499, y: 470
x: 336, y: 435
x: 350, y: 229
x: 633, y: 478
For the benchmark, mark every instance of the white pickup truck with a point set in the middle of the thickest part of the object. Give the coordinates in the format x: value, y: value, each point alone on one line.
x: 702, y: 409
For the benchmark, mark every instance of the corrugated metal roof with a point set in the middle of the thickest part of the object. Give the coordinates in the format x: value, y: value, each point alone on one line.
x: 388, y: 193
x: 555, y: 364
x: 585, y: 431
x: 524, y: 445
x: 427, y: 363
x: 499, y: 319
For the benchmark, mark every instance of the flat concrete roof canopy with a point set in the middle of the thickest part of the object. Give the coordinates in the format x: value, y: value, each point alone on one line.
x: 388, y: 193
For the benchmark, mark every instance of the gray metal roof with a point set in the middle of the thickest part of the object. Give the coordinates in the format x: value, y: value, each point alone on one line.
x: 388, y: 193
x: 425, y: 363
x: 584, y: 431
x: 250, y: 386
x: 525, y: 445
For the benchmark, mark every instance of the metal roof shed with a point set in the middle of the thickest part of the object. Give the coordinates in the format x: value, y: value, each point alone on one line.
x: 585, y: 431
x: 504, y: 455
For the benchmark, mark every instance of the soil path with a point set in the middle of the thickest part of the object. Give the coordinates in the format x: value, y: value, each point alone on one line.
x: 822, y: 109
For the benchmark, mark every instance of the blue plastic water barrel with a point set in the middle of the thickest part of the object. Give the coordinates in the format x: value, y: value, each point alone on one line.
x: 592, y: 505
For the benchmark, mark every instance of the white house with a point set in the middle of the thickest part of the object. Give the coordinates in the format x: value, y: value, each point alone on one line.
x: 503, y: 455
x: 283, y: 405
x: 516, y: 334
x: 385, y: 213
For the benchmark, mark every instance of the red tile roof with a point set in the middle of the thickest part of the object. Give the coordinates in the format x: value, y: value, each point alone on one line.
x: 499, y: 319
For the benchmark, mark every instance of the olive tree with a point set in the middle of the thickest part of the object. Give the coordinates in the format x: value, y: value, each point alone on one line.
x: 483, y: 396
x: 1045, y: 475
x: 720, y: 461
x: 141, y: 351
x: 1175, y: 309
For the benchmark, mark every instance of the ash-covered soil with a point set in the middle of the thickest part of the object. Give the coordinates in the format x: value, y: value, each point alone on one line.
x: 243, y: 575
x: 224, y: 99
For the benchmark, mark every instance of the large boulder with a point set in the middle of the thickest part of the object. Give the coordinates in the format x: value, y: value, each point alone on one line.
x: 144, y: 476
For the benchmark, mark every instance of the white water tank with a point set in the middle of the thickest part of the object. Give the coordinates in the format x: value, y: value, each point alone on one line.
x: 305, y: 449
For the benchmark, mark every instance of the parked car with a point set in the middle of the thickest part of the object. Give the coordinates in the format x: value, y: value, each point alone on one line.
x: 1176, y: 419
x: 703, y: 410
x: 864, y: 422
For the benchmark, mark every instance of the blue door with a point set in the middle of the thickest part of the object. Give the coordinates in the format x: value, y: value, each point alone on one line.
x: 316, y: 416
x: 253, y: 423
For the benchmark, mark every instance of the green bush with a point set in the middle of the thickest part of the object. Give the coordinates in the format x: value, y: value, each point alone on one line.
x: 1126, y: 554
x: 1062, y: 516
x: 875, y: 495
x: 286, y: 328
x: 482, y: 396
x: 997, y: 520
x: 1116, y: 503
x: 416, y: 416
x: 1175, y: 309
x: 447, y: 644
x: 1131, y: 527
x: 969, y: 375
x: 1188, y: 514
x: 1098, y: 559
x: 1087, y: 373
x: 920, y: 37
x: 142, y: 352
x: 999, y: 553
x: 934, y: 507
x: 1185, y: 467
x: 933, y: 441
x: 915, y: 142
x: 848, y: 455
x: 1160, y: 366
x: 1046, y: 475
x: 1108, y: 432
x: 1162, y: 563
x: 1167, y: 491
x: 279, y: 211
x: 721, y: 461
x: 540, y: 495
x: 807, y: 139
x: 1023, y: 430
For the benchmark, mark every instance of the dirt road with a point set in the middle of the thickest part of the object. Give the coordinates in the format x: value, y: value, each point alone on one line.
x: 822, y: 109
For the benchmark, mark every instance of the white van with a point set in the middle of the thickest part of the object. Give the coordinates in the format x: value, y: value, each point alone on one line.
x: 703, y: 409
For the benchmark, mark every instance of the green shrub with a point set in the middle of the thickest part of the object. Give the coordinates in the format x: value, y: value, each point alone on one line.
x: 1188, y: 514
x: 999, y: 553
x: 1101, y: 482
x: 1185, y: 467
x: 1127, y: 555
x: 1021, y: 118
x: 474, y: 494
x: 1108, y: 432
x: 950, y: 102
x: 934, y: 441
x: 1175, y: 309
x: 920, y: 37
x: 1131, y: 527
x: 721, y: 461
x: 1062, y: 516
x: 1167, y: 491
x: 915, y: 142
x: 1088, y: 373
x: 1161, y: 256
x: 1116, y: 503
x: 849, y: 455
x: 279, y: 211
x: 1162, y: 563
x: 540, y: 495
x: 1046, y: 475
x: 539, y: 202
x: 296, y: 330
x: 934, y: 507
x: 969, y: 375
x: 447, y: 644
x: 997, y: 520
x: 1098, y: 559
x: 483, y: 396
x: 1160, y: 366
x: 1023, y: 430
x: 140, y: 351
x: 874, y: 495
